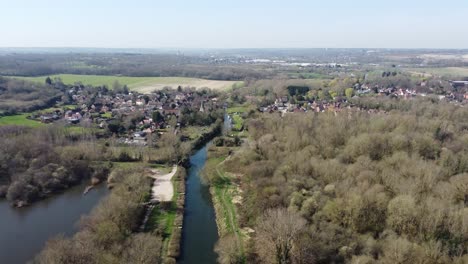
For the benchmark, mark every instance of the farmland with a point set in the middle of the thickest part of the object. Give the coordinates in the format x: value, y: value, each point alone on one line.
x: 19, y: 120
x: 445, y: 71
x: 140, y: 84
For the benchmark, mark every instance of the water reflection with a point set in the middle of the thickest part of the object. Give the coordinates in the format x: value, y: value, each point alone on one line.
x: 24, y: 231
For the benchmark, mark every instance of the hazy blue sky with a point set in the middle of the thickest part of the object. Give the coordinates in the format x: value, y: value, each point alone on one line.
x: 234, y: 23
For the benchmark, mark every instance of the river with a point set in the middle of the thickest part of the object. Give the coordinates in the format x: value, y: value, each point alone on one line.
x: 199, y: 233
x: 24, y: 231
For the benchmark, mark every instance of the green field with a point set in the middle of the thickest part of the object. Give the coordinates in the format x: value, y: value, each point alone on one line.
x: 445, y: 71
x: 19, y: 120
x: 309, y: 75
x: 141, y: 84
x: 55, y: 108
x: 238, y: 122
x: 238, y: 109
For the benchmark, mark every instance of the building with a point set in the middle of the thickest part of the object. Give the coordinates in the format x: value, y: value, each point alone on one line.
x: 459, y: 84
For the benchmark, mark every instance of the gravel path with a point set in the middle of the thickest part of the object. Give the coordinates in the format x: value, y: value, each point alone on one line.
x: 163, y: 190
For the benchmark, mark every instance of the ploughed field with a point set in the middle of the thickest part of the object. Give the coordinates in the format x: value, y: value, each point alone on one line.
x: 140, y: 84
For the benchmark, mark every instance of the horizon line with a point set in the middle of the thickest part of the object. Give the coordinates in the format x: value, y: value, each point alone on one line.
x: 224, y: 48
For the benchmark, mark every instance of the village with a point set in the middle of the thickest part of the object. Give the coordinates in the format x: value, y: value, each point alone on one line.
x: 132, y: 116
x: 285, y: 104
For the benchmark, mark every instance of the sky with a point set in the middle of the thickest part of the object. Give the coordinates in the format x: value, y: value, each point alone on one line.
x: 234, y: 23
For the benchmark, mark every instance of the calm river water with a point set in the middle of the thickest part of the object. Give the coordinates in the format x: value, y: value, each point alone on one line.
x: 200, y: 232
x: 24, y: 231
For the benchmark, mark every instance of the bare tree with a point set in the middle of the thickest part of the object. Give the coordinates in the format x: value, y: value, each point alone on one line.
x: 229, y: 251
x: 276, y: 233
x: 143, y: 248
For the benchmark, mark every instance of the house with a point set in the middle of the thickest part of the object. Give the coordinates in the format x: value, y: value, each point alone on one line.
x: 105, y: 109
x: 140, y: 102
x: 180, y: 97
x: 459, y: 84
x: 102, y: 125
x: 73, y: 118
x: 167, y: 110
x: 49, y: 118
x: 140, y: 134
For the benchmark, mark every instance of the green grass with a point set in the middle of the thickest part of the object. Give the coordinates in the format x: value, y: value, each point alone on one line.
x: 141, y: 84
x: 126, y: 165
x: 79, y: 130
x: 238, y: 109
x: 69, y: 107
x: 444, y: 71
x: 309, y: 75
x: 223, y: 192
x: 19, y: 120
x: 194, y: 132
x: 52, y: 109
x: 164, y: 219
x: 238, y: 122
x: 161, y: 167
x: 223, y: 195
x: 91, y: 79
x: 107, y: 115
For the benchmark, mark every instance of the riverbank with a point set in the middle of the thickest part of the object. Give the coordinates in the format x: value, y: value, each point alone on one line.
x: 214, y: 131
x: 167, y: 217
x: 173, y: 247
x: 24, y: 231
x: 226, y: 196
x: 110, y: 233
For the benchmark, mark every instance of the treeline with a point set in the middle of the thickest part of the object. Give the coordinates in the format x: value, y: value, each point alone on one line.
x: 36, y: 163
x: 357, y: 187
x: 265, y: 92
x: 22, y: 96
x: 157, y: 65
x: 109, y: 234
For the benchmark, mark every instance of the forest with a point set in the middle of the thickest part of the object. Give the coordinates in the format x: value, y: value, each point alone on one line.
x: 356, y: 187
x: 127, y: 64
x: 22, y: 96
x: 35, y: 163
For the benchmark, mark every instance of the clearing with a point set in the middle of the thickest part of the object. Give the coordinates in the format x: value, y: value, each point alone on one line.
x: 140, y: 84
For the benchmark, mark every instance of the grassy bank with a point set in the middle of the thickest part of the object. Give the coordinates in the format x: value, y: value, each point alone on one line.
x: 224, y: 192
x: 166, y: 219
